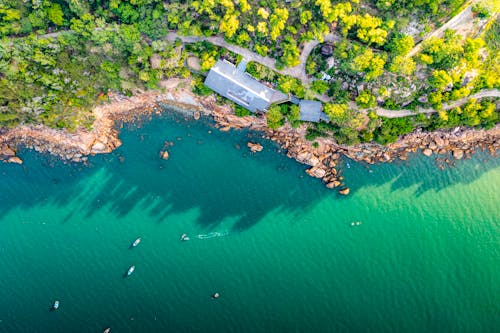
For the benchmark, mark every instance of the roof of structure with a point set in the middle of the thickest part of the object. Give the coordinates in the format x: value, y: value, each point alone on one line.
x: 238, y: 86
x: 312, y: 111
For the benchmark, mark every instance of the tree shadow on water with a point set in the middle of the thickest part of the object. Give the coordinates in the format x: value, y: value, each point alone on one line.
x: 210, y: 171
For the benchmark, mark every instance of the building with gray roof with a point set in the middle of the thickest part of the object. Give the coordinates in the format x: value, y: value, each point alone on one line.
x: 312, y: 111
x: 240, y: 87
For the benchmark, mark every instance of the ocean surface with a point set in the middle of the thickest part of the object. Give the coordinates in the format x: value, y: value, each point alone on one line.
x: 276, y: 244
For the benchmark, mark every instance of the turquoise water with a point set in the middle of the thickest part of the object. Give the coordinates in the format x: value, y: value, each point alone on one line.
x: 276, y: 244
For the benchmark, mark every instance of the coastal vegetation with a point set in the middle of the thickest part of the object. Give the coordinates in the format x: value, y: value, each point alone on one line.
x: 59, y: 58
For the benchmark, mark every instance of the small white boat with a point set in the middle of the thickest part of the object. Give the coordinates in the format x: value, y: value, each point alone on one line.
x: 56, y: 305
x: 136, y: 242
x: 184, y: 237
x: 107, y: 330
x: 130, y: 270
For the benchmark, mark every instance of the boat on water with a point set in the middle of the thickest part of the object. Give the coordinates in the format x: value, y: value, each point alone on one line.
x: 55, y: 306
x: 136, y: 242
x: 184, y: 237
x: 130, y: 270
x: 107, y: 330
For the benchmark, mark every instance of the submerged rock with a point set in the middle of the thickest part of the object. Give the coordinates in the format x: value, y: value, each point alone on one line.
x: 254, y: 147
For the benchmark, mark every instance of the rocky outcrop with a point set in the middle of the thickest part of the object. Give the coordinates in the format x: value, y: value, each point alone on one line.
x: 322, y: 159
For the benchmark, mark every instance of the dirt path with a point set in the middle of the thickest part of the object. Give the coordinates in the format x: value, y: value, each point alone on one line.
x: 405, y: 113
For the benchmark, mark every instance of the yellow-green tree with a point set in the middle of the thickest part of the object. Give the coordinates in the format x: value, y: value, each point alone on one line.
x: 277, y: 22
x: 274, y: 117
x: 338, y: 113
x: 369, y: 63
x: 229, y: 24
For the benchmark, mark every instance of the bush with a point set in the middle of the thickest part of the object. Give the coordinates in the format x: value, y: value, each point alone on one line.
x: 392, y: 128
x: 274, y: 117
x: 241, y: 111
x: 319, y: 86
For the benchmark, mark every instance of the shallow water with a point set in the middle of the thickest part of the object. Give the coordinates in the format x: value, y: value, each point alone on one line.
x: 276, y: 244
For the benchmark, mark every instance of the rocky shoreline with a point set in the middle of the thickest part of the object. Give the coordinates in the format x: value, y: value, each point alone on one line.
x: 322, y: 159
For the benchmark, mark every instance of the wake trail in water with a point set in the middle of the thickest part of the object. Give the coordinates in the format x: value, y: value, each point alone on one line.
x: 213, y: 234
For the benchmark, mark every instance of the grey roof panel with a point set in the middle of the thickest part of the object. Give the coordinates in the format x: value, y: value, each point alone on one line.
x: 225, y: 79
x: 312, y: 111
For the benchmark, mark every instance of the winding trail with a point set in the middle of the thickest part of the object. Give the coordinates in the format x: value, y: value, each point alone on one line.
x: 298, y: 71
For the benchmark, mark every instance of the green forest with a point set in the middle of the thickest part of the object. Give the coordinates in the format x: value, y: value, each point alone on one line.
x: 59, y: 58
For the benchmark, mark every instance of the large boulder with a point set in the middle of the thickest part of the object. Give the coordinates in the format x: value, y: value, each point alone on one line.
x: 15, y: 159
x: 458, y: 154
x: 316, y: 172
x: 332, y: 184
x: 439, y: 142
x: 345, y: 191
x: 427, y: 152
x: 327, y: 50
x: 313, y: 161
x: 7, y: 151
x: 99, y: 147
x: 155, y: 61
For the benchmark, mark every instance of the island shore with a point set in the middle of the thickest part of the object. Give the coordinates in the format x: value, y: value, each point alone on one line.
x: 322, y: 159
